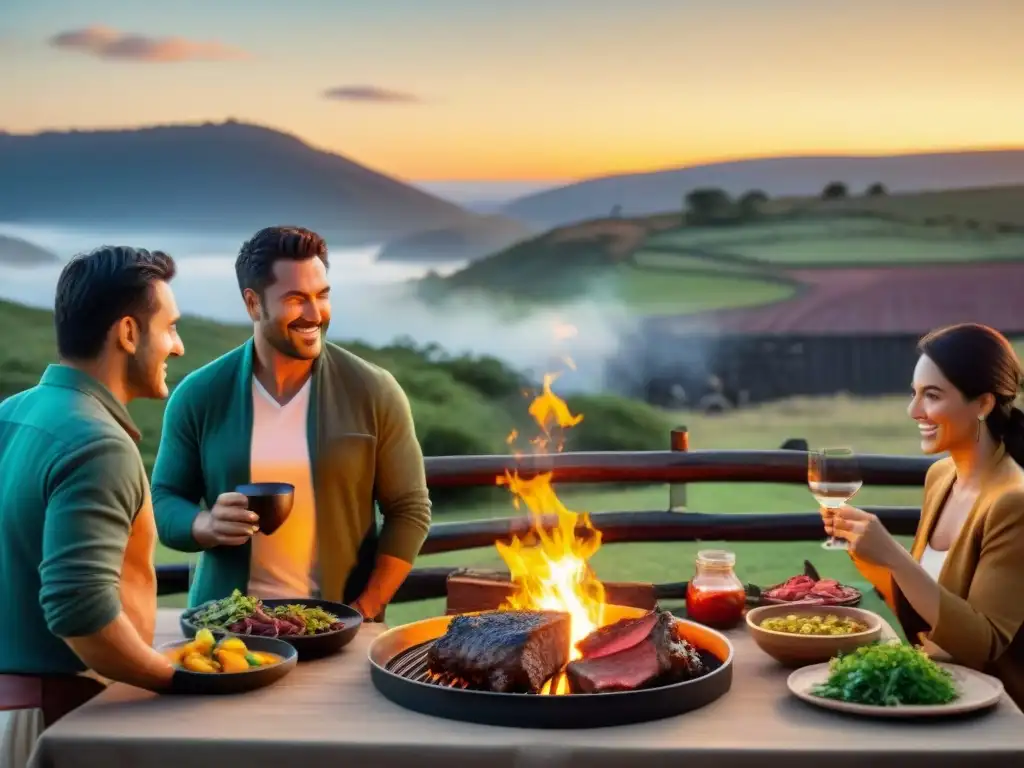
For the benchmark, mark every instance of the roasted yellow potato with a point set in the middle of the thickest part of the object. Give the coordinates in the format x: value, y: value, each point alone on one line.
x: 204, y: 654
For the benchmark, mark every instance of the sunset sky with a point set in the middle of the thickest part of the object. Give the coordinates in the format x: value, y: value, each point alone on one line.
x: 529, y: 89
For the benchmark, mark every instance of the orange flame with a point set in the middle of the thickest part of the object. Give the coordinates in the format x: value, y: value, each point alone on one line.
x: 550, y: 567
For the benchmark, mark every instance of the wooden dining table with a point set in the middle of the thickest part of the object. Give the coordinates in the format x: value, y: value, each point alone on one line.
x: 327, y: 713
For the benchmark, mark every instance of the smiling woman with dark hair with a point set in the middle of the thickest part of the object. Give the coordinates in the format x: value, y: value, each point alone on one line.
x: 957, y: 591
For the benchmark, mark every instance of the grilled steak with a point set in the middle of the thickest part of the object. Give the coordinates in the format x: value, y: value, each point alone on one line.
x: 616, y: 637
x: 503, y: 651
x: 660, y: 656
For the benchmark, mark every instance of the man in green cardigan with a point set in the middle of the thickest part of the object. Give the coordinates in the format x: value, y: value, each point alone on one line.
x: 288, y: 406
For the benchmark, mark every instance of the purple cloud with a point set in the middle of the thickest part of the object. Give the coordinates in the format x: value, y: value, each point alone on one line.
x: 371, y: 94
x: 107, y: 43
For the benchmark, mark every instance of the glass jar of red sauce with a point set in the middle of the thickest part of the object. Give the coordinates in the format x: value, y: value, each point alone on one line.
x: 715, y: 596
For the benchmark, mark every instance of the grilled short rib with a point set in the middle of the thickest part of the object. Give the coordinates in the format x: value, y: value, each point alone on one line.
x: 632, y: 654
x: 503, y: 651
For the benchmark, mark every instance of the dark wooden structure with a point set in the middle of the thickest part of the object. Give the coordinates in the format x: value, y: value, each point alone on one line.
x: 757, y: 368
x: 849, y: 328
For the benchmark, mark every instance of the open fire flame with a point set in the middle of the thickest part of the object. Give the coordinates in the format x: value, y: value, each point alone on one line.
x: 550, y: 568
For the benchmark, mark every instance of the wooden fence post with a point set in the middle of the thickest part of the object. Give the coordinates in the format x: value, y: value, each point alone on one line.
x: 680, y: 441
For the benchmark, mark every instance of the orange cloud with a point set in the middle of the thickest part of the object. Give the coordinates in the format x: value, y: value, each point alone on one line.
x: 370, y: 93
x: 107, y: 43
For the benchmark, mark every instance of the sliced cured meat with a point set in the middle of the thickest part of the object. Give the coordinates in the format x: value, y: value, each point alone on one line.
x: 804, y: 589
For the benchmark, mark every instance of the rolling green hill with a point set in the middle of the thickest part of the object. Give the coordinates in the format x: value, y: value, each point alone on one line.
x: 548, y: 269
x: 662, y: 265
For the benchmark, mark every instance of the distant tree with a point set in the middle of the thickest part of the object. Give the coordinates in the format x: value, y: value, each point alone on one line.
x: 835, y: 190
x: 707, y: 204
x: 616, y: 212
x: 751, y: 202
x: 877, y: 190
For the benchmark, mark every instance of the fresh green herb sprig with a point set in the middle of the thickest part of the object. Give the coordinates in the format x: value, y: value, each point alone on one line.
x: 224, y: 612
x: 887, y: 674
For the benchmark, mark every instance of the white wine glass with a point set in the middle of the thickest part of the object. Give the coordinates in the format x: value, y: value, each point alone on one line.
x: 833, y: 475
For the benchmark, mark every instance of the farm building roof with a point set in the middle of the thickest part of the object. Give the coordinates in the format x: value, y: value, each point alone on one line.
x: 878, y: 301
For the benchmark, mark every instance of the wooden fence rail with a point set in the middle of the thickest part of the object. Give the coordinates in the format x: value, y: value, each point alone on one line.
x: 780, y: 466
x: 615, y: 528
x: 678, y: 466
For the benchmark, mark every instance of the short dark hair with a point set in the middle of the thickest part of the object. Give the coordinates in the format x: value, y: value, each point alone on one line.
x: 98, y: 288
x: 254, y: 266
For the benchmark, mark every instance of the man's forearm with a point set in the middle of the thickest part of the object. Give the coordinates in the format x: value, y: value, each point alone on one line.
x: 118, y: 653
x: 387, y: 576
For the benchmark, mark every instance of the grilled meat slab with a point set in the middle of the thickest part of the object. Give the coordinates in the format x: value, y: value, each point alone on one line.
x: 503, y: 651
x: 659, y: 655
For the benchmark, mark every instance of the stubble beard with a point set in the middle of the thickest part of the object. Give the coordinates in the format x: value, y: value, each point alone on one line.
x: 283, y: 344
x: 144, y: 381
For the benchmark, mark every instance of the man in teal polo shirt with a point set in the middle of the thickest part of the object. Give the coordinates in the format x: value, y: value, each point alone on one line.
x: 76, y: 524
x: 288, y: 406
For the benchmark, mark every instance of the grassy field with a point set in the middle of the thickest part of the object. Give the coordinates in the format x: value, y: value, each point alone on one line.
x: 837, y: 240
x: 676, y: 260
x: 657, y: 291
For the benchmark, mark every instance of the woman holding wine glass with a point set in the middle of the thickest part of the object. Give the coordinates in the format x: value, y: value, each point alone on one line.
x: 957, y: 592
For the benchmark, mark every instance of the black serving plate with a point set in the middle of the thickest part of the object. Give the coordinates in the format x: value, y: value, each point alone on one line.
x: 398, y: 656
x: 207, y: 683
x: 308, y: 646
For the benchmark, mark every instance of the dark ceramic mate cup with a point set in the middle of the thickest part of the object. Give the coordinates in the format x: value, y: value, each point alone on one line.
x: 271, y: 502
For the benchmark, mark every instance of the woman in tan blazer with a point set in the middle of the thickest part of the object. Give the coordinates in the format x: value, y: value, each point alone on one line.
x: 959, y: 591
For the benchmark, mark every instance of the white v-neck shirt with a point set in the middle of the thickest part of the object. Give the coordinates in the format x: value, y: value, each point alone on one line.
x: 932, y: 561
x: 283, y: 564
